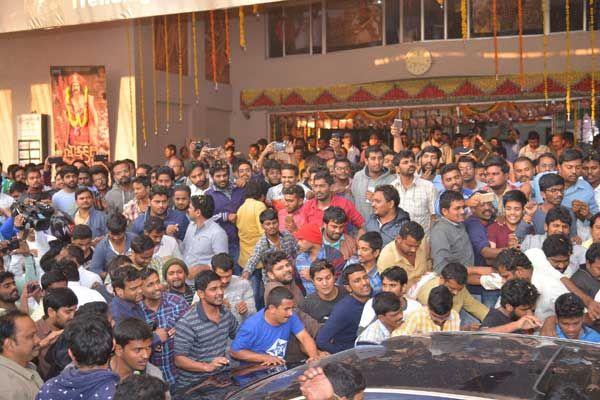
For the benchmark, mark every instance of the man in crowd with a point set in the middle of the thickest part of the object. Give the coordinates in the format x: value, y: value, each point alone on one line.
x: 176, y: 222
x: 175, y: 274
x: 181, y: 198
x: 238, y: 295
x: 176, y: 165
x: 289, y: 216
x: 162, y: 310
x: 436, y: 140
x: 64, y: 199
x: 387, y: 217
x: 342, y: 169
x: 515, y: 314
x: 466, y: 165
x: 122, y: 191
x: 141, y: 201
x: 334, y: 227
x: 591, y: 173
x: 86, y: 213
x: 533, y: 150
x: 319, y: 304
x: 289, y: 178
x: 203, y: 333
x: 19, y: 345
x: 117, y: 242
x: 496, y: 170
x: 523, y: 169
x: 366, y: 180
x: 165, y: 246
x: 127, y: 284
x: 389, y: 312
x: 569, y: 311
x: 368, y: 249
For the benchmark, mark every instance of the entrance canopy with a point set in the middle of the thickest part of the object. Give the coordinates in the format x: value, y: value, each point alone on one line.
x: 22, y: 15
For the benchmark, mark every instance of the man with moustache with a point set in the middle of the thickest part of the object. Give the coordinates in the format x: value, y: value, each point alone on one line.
x: 466, y: 165
x: 122, y: 190
x: 18, y: 346
x: 8, y: 292
x: 482, y: 216
x: 320, y: 303
x: 175, y: 274
x: 64, y: 199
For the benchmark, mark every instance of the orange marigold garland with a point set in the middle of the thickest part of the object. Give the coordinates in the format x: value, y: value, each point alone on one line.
x: 130, y: 51
x: 154, y: 91
x: 521, y: 60
x: 545, y: 51
x: 167, y: 76
x: 255, y: 10
x: 464, y: 19
x: 593, y: 73
x: 142, y: 90
x: 242, y: 23
x: 568, y: 59
x: 213, y: 49
x: 195, y: 51
x: 227, y: 43
x: 180, y: 66
x: 495, y: 31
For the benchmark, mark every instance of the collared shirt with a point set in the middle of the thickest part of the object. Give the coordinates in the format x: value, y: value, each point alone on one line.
x: 96, y: 221
x: 200, y: 339
x: 188, y: 295
x: 311, y: 213
x: 390, y: 256
x: 132, y: 210
x: 116, y: 198
x: 533, y: 154
x: 240, y: 290
x: 368, y: 315
x: 375, y: 333
x: 85, y: 295
x: 283, y: 214
x: 122, y: 309
x: 420, y: 322
x: 64, y: 202
x: 586, y: 334
x: 171, y: 308
x: 461, y: 300
x: 227, y: 202
x: 172, y: 217
x: 479, y: 238
x: 581, y: 191
x: 275, y: 195
x: 104, y: 252
x: 390, y: 229
x: 363, y: 183
x: 202, y: 243
x: 498, y: 204
x: 418, y: 200
x: 18, y: 383
x: 547, y: 281
x: 287, y: 243
x: 450, y: 243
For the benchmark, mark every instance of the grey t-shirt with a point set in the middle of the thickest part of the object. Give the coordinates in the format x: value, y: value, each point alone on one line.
x: 318, y: 308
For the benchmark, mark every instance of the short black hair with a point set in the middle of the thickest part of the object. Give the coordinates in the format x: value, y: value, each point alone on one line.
x: 449, y: 168
x: 82, y: 231
x: 295, y: 190
x: 57, y: 298
x: 466, y: 159
x: 94, y: 308
x: 154, y: 224
x: 256, y: 188
x: 290, y: 167
x: 511, y: 259
x: 396, y: 274
x: 324, y: 176
x: 125, y: 273
x: 67, y: 169
x: 593, y: 253
x: 131, y: 329
x: 558, y: 213
x: 165, y: 170
x: 83, y: 190
x: 320, y: 265
x: 389, y: 194
x: 374, y: 240
x: 518, y: 292
x: 270, y: 259
x: 568, y: 305
x: 412, y: 229
x: 5, y: 275
x: 373, y: 149
x: 8, y: 326
x: 141, y: 244
x: 90, y: 340
x: 432, y: 150
x: 146, y: 273
x: 51, y: 277
x: 205, y: 204
x: 223, y: 261
x: 594, y: 219
x: 204, y: 278
x: 270, y: 164
x: 349, y: 270
x: 514, y: 195
x: 448, y: 197
x: 75, y: 252
x: 455, y: 271
x: 440, y: 300
x: 141, y: 180
x: 116, y: 223
x: 496, y: 161
x: 141, y: 387
x: 570, y: 155
x: 523, y: 158
x: 402, y: 155
x: 268, y: 215
x: 277, y: 295
x: 346, y: 379
x: 158, y: 190
x: 238, y: 162
x: 335, y: 214
x: 218, y: 166
x: 557, y: 245
x: 549, y: 180
x: 182, y: 188
x: 69, y: 269
x: 547, y: 155
x: 385, y: 302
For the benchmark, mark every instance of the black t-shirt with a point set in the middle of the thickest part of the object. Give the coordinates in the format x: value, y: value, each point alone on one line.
x: 586, y: 282
x: 318, y: 308
x: 495, y: 318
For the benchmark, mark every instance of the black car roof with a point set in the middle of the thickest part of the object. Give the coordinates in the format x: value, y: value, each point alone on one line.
x: 496, y: 366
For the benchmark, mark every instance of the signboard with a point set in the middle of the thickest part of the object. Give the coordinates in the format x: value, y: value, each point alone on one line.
x: 80, y: 112
x: 32, y: 138
x: 21, y: 15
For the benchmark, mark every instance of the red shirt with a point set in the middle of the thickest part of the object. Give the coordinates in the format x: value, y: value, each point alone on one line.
x: 311, y: 213
x: 498, y: 233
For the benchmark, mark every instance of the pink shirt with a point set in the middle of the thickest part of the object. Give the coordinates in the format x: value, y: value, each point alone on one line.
x: 282, y: 213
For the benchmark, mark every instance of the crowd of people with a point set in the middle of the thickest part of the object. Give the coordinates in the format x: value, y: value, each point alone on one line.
x: 127, y: 281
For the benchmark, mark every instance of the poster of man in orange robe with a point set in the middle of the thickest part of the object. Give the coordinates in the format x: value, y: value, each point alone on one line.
x: 80, y: 113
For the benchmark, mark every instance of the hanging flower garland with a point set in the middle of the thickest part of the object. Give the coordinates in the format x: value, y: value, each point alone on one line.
x: 242, y: 24
x: 593, y: 72
x: 227, y: 43
x: 464, y: 19
x: 142, y: 85
x: 131, y: 75
x: 545, y: 50
x: 255, y: 10
x: 180, y: 65
x: 521, y: 60
x: 154, y: 91
x: 195, y: 51
x: 495, y: 31
x: 168, y: 78
x: 213, y: 49
x: 568, y: 59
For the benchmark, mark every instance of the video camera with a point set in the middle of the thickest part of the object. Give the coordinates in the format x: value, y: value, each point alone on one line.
x: 37, y: 216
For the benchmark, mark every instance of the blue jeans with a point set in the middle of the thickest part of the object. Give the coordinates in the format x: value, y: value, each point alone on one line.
x: 258, y: 287
x: 234, y: 252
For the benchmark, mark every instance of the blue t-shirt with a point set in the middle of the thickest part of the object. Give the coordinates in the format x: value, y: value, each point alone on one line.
x: 64, y: 202
x: 587, y: 334
x: 257, y: 335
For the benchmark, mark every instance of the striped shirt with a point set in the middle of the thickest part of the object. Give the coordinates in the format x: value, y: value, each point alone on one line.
x: 418, y: 200
x: 202, y: 340
x: 171, y: 308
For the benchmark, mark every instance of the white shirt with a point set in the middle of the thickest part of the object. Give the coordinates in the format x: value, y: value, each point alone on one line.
x: 88, y: 278
x: 418, y: 200
x: 368, y: 314
x: 546, y: 280
x: 5, y: 202
x: 85, y: 295
x: 375, y: 333
x: 167, y: 248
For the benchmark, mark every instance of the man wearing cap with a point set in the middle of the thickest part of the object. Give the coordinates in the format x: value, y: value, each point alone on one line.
x: 175, y: 274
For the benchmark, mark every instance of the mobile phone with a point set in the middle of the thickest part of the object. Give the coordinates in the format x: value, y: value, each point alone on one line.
x: 55, y: 160
x: 32, y: 287
x: 486, y: 197
x: 101, y: 158
x: 397, y: 124
x: 278, y: 146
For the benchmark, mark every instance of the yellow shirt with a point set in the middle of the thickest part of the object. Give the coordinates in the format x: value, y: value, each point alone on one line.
x: 420, y: 322
x: 249, y: 228
x: 390, y: 257
x: 462, y: 300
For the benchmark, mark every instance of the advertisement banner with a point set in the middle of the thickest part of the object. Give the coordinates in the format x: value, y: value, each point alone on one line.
x: 80, y: 112
x: 22, y: 15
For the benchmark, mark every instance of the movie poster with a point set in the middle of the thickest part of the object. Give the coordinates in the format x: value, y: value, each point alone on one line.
x: 80, y: 112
